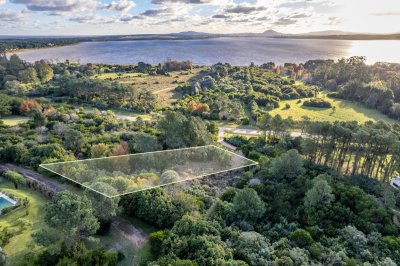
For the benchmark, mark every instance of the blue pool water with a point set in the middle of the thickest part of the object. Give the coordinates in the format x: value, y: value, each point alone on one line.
x: 4, y: 203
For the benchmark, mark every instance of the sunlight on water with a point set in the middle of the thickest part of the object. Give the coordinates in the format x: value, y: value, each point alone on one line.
x: 376, y: 51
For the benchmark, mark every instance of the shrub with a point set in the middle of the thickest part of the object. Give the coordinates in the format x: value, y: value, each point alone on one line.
x: 317, y: 102
x: 237, y: 141
x: 301, y: 237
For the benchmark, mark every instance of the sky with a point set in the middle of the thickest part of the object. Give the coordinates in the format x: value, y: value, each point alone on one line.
x: 116, y: 17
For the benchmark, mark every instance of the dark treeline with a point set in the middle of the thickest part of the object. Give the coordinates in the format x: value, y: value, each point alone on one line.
x: 372, y: 149
x: 7, y: 45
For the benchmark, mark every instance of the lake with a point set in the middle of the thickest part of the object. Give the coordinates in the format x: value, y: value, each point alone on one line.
x: 236, y: 51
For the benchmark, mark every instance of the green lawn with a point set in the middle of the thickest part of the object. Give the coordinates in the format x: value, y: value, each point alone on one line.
x: 22, y: 242
x: 345, y: 111
x: 114, y: 76
x: 13, y: 120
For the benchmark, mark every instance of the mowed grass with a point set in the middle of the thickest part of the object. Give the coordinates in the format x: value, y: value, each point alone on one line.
x: 13, y: 120
x: 22, y: 242
x: 345, y: 111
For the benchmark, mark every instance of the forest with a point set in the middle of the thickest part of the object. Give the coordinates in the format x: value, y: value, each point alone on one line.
x: 320, y: 197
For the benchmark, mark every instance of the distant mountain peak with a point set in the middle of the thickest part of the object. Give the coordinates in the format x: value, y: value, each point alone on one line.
x: 272, y: 33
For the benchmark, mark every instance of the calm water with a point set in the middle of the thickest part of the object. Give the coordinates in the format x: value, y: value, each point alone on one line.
x: 4, y: 203
x: 236, y: 51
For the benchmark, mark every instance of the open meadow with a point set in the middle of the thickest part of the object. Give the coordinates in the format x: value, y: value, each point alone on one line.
x: 342, y: 110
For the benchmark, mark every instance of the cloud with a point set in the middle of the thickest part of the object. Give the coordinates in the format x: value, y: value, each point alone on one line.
x: 123, y: 5
x: 156, y: 12
x: 130, y: 18
x: 384, y: 14
x: 220, y: 16
x: 93, y: 19
x: 57, y: 6
x: 161, y: 2
x: 284, y: 22
x: 333, y: 21
x: 9, y: 15
x: 300, y: 15
x: 244, y: 8
x: 2, y: 2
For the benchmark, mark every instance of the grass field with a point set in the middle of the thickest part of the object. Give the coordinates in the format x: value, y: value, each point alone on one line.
x: 22, y: 241
x: 345, y: 111
x: 161, y: 85
x: 13, y: 120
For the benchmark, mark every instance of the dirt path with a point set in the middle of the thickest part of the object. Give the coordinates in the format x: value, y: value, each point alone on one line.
x: 129, y: 232
x: 162, y: 90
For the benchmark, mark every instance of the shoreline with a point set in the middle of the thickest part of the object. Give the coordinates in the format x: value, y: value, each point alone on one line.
x: 8, y: 52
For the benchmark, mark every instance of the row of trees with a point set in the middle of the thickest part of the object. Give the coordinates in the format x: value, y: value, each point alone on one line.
x: 372, y: 149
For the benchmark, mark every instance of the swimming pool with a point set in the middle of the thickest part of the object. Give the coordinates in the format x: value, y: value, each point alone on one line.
x: 5, y: 202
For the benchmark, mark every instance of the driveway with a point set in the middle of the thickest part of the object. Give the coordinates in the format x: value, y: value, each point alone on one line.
x: 31, y: 175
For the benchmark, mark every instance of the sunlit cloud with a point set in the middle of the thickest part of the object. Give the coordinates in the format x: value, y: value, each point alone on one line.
x: 122, y: 5
x: 214, y: 16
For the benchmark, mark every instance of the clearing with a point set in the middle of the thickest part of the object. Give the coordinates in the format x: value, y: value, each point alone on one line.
x: 345, y: 111
x: 162, y: 85
x: 13, y: 120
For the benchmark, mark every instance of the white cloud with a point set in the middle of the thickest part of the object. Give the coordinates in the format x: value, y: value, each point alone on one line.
x: 12, y: 16
x: 122, y: 5
x: 57, y: 6
x: 2, y: 2
x: 93, y: 19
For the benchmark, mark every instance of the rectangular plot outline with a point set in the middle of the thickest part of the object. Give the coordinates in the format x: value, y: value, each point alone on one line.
x: 251, y: 163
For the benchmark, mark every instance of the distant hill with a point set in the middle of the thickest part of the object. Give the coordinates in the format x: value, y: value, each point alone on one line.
x: 272, y: 33
x: 327, y: 32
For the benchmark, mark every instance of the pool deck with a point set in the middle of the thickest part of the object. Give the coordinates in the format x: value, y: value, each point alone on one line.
x: 13, y: 202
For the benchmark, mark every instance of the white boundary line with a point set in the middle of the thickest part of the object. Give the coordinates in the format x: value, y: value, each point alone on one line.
x: 251, y: 163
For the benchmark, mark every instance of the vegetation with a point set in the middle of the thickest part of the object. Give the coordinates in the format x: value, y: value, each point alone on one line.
x: 376, y: 86
x: 320, y: 198
x: 317, y: 102
x: 341, y: 110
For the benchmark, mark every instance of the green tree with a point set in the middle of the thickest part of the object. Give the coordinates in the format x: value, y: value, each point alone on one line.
x: 44, y: 71
x: 319, y: 196
x: 99, y: 150
x: 39, y: 119
x: 74, y: 140
x: 104, y: 207
x: 301, y: 237
x: 248, y: 205
x: 289, y: 165
x: 143, y: 142
x: 28, y: 75
x: 178, y: 131
x: 169, y: 176
x: 5, y: 105
x: 253, y: 248
x: 73, y: 215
